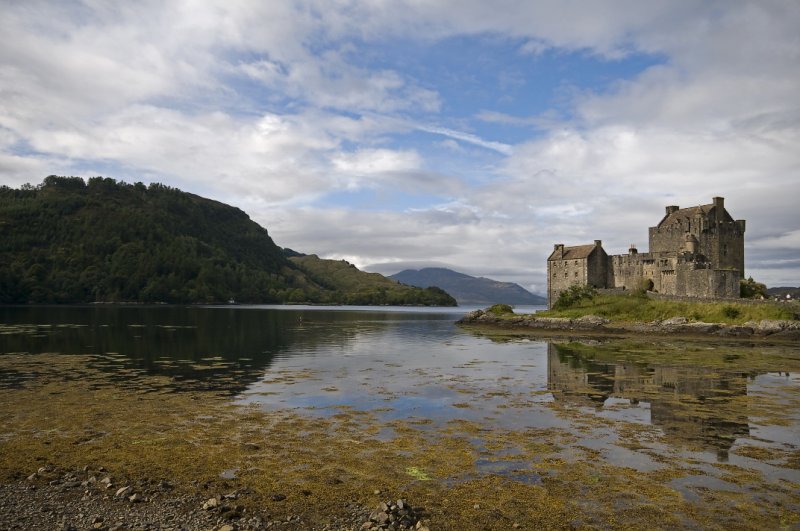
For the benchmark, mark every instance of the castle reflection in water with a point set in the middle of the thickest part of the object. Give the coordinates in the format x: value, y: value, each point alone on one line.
x: 698, y: 408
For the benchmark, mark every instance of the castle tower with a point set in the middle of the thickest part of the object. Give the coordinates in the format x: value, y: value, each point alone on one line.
x: 708, y: 231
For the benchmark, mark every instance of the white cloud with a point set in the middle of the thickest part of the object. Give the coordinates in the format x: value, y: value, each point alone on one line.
x: 377, y: 161
x: 469, y: 138
x: 274, y: 104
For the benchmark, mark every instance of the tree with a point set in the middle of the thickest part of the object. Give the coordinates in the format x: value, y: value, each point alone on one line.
x: 750, y: 289
x: 574, y: 294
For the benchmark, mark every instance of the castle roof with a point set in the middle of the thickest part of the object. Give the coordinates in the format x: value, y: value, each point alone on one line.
x: 690, y: 213
x: 573, y: 253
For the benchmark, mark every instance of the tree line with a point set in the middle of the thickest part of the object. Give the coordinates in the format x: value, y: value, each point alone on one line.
x: 73, y: 241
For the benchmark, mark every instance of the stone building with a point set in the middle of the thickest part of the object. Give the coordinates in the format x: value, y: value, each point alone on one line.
x: 694, y: 252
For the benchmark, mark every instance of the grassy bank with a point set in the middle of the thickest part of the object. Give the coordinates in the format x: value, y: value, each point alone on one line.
x: 626, y: 308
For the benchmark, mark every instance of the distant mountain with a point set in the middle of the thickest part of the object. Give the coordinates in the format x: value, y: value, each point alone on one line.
x: 782, y: 291
x: 467, y: 289
x: 73, y: 241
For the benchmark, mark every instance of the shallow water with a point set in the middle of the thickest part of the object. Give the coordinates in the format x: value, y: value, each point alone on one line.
x: 711, y: 409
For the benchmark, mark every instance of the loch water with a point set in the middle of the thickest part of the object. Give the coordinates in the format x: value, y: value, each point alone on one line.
x: 703, y: 403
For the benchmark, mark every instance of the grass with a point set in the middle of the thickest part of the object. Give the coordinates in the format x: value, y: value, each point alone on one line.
x: 626, y: 308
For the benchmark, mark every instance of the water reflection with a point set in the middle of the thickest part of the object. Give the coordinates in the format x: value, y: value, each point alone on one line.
x: 698, y: 407
x: 214, y: 348
x: 418, y: 364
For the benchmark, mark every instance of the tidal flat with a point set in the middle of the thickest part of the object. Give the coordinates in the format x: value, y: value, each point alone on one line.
x: 307, y: 419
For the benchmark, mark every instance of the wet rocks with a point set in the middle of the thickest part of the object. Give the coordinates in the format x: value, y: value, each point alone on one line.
x: 700, y: 328
x: 591, y: 321
x: 768, y: 326
x: 394, y: 515
x: 735, y: 331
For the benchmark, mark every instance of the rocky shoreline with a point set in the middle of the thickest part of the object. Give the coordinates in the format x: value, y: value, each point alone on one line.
x: 92, y: 499
x: 595, y: 325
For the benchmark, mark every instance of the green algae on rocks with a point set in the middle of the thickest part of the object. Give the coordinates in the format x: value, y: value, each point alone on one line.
x: 67, y: 413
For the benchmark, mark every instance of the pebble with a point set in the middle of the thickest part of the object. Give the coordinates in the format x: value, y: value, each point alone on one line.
x: 160, y: 505
x: 211, y: 503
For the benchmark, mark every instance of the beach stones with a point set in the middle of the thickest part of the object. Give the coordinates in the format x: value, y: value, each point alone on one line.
x: 394, y: 515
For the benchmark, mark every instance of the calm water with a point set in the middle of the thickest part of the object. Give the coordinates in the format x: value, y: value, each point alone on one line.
x: 703, y: 401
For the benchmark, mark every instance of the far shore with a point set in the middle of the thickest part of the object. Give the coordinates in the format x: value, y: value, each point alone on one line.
x: 766, y: 330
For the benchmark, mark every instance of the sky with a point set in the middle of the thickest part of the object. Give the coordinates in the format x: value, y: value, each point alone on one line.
x: 404, y: 134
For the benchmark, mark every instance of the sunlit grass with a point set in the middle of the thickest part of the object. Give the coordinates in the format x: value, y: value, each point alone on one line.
x: 634, y: 308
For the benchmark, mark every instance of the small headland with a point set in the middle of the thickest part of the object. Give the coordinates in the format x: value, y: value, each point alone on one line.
x: 626, y: 315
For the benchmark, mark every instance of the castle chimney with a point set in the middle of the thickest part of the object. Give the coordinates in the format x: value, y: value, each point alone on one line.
x: 633, y: 249
x: 719, y: 207
x: 598, y: 243
x: 671, y: 209
x: 559, y: 248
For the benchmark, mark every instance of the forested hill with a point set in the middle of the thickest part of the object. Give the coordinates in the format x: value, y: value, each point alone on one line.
x: 71, y: 241
x: 366, y: 288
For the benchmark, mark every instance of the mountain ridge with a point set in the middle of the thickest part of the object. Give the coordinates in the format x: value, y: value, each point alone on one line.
x: 467, y: 289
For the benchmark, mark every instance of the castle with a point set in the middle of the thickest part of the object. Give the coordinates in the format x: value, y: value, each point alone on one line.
x: 694, y: 252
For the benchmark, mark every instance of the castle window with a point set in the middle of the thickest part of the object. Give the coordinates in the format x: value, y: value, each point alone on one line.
x: 576, y: 262
x: 565, y: 274
x: 576, y: 274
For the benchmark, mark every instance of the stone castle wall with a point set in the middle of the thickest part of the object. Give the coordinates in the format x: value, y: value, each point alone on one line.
x: 599, y: 269
x: 563, y: 273
x: 695, y: 252
x: 706, y: 283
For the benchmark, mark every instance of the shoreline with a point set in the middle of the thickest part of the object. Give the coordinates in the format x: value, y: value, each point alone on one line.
x: 595, y: 326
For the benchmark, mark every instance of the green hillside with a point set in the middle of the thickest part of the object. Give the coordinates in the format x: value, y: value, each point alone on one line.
x: 71, y: 241
x: 352, y: 286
